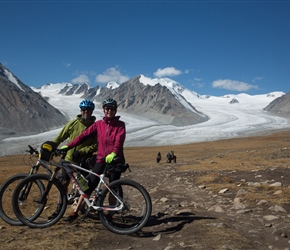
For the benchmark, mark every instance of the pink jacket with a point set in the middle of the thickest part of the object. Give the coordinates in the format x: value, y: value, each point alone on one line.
x: 110, y: 135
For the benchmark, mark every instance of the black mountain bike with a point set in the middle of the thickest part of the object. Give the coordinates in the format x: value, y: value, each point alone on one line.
x: 124, y: 206
x: 8, y: 187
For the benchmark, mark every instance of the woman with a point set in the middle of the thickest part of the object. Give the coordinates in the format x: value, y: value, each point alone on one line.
x: 110, y: 133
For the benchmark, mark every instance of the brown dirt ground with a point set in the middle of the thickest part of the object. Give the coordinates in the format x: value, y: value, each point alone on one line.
x: 182, y: 222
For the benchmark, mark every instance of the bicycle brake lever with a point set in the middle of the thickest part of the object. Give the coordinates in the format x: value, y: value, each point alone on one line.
x: 31, y: 150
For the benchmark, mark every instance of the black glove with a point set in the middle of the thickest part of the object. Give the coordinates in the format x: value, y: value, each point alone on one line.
x: 76, y: 155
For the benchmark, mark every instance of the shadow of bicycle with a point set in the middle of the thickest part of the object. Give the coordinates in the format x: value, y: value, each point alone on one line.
x: 164, y: 224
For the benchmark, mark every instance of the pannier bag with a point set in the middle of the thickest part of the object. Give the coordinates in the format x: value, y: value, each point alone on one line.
x: 118, y: 168
x: 46, y: 150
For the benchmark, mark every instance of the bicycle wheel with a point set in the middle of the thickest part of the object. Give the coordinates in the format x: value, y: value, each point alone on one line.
x: 38, y: 203
x: 135, y: 213
x: 6, y: 192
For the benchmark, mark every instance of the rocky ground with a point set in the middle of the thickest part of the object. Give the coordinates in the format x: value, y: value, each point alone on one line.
x: 228, y: 194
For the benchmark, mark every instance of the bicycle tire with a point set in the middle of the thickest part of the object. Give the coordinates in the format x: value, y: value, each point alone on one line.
x: 137, y: 211
x: 6, y: 193
x: 34, y: 205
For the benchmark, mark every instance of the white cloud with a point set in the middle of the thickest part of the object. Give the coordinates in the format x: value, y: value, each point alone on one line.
x: 198, y: 82
x: 233, y: 85
x: 67, y: 65
x: 257, y: 78
x: 169, y: 71
x: 81, y: 79
x: 111, y: 74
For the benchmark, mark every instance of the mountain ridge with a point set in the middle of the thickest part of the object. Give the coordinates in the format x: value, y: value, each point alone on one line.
x: 280, y: 106
x: 24, y: 110
x: 226, y: 116
x: 156, y: 102
x: 162, y: 100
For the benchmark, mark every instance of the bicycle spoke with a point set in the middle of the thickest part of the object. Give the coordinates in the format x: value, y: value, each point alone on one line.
x: 135, y: 213
x: 34, y: 209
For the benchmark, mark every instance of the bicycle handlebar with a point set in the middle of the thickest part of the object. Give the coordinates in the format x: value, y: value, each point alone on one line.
x: 32, y: 150
x: 62, y: 153
x: 59, y: 152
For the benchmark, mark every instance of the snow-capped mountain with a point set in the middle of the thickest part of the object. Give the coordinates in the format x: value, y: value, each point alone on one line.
x: 112, y: 85
x: 156, y: 111
x: 162, y: 100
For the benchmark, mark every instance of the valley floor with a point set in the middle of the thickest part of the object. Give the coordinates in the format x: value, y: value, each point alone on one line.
x: 226, y: 194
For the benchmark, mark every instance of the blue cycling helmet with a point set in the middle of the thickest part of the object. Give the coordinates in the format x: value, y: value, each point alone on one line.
x: 110, y: 102
x: 87, y: 104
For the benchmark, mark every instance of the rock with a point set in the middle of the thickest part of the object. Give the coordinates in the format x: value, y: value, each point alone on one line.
x: 244, y: 211
x: 164, y: 199
x: 222, y: 191
x: 157, y: 238
x: 271, y: 217
x: 216, y: 208
x: 262, y: 202
x: 276, y: 184
x: 277, y: 209
x: 278, y: 192
x: 238, y: 204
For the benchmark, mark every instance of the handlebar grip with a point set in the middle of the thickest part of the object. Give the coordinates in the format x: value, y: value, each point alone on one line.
x: 32, y: 150
x: 116, y: 158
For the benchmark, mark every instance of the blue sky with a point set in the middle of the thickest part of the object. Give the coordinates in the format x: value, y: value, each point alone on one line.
x: 210, y: 47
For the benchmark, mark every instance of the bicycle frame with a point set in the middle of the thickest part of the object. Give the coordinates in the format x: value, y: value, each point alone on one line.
x: 68, y: 166
x: 35, y: 168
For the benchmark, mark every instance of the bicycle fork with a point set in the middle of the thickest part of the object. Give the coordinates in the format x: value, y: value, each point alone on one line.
x: 43, y: 198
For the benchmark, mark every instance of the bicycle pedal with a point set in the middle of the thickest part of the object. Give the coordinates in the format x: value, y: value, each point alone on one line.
x: 82, y: 219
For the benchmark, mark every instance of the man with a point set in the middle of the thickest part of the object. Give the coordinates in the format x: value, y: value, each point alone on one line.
x: 70, y: 131
x: 158, y: 157
x: 110, y: 133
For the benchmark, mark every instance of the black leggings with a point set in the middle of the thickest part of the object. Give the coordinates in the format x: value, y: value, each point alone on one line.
x: 94, y: 180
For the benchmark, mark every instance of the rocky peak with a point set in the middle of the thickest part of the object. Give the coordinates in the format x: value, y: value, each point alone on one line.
x: 24, y: 110
x: 280, y: 105
x: 155, y: 102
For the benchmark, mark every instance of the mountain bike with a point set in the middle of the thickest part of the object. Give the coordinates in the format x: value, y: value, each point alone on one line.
x: 7, y: 188
x: 124, y: 206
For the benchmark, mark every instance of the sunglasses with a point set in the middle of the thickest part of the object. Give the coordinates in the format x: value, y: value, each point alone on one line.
x: 112, y: 109
x: 87, y: 109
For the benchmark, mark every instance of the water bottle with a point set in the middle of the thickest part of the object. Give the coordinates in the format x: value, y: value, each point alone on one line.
x: 83, y: 182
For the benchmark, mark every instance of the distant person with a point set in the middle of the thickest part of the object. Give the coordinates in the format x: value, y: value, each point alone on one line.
x: 70, y: 131
x: 110, y: 133
x: 158, y: 157
x: 173, y: 157
x: 168, y: 157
